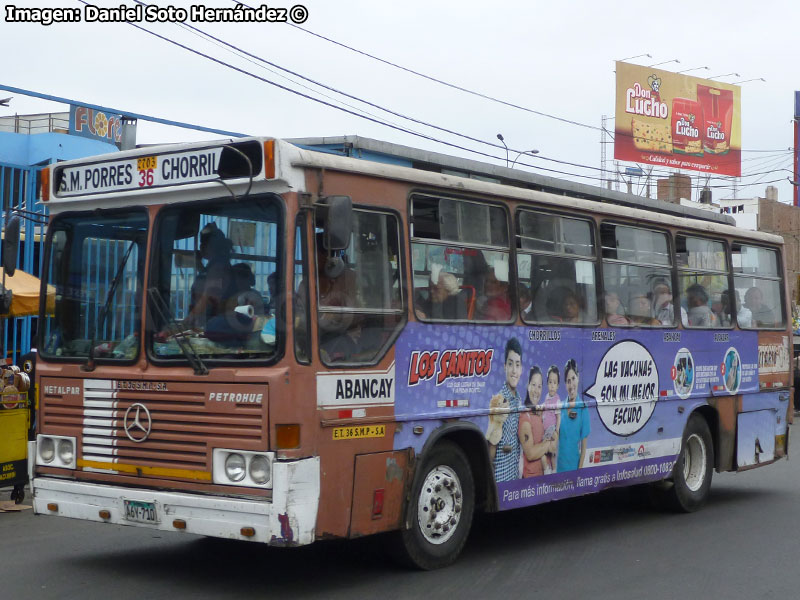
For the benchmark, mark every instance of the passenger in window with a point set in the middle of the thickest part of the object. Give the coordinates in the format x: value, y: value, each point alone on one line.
x: 444, y: 301
x: 564, y: 306
x: 497, y: 303
x: 525, y: 302
x: 214, y: 284
x: 336, y: 289
x: 614, y: 310
x: 699, y: 313
x: 762, y: 315
x: 640, y: 309
x: 663, y: 306
x: 272, y: 287
x: 743, y: 315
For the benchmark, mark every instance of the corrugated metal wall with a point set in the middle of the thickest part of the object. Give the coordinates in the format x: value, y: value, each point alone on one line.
x: 19, y: 190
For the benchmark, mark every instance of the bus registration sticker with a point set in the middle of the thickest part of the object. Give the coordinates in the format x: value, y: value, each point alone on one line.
x: 140, y: 512
x: 361, y: 431
x: 146, y: 162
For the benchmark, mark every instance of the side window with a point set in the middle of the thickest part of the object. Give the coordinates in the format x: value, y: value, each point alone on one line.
x: 360, y: 296
x: 300, y: 289
x: 703, y: 282
x: 460, y: 259
x: 557, y: 269
x: 757, y: 281
x: 637, y: 280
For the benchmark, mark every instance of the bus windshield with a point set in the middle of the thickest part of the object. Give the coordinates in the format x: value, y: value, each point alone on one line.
x: 96, y: 264
x: 215, y: 281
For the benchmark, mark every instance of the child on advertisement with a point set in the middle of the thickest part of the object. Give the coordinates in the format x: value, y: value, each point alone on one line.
x: 550, y: 417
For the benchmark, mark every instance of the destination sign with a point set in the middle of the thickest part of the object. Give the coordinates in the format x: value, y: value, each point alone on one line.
x: 144, y: 172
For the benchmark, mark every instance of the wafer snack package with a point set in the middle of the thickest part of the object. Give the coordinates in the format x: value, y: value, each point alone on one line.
x: 717, y: 107
x: 652, y: 138
x: 687, y: 118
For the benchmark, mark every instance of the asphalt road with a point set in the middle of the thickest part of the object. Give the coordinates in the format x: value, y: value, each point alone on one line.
x: 608, y: 546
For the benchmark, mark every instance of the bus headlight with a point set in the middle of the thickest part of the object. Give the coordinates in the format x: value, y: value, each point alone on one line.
x: 47, y: 449
x: 56, y: 451
x: 242, y: 468
x: 260, y: 469
x: 66, y: 451
x: 235, y: 467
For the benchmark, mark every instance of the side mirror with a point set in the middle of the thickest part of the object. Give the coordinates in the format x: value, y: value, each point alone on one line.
x: 338, y: 222
x: 11, y: 245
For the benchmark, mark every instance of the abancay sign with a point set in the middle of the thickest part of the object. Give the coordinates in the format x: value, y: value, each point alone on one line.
x: 677, y: 121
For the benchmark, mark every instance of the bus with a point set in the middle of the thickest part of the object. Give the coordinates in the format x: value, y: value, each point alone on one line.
x: 259, y: 341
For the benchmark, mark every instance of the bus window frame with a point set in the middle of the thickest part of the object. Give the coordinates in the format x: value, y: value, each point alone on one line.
x: 676, y: 320
x: 595, y: 258
x: 40, y: 333
x: 280, y: 327
x: 506, y: 207
x: 781, y: 279
x: 403, y: 311
x: 728, y: 263
x: 301, y: 221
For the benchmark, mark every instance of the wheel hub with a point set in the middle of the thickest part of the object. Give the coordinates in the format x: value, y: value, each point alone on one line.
x: 439, y: 505
x: 694, y: 462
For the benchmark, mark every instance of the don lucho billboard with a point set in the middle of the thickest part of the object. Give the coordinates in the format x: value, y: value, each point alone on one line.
x: 677, y: 121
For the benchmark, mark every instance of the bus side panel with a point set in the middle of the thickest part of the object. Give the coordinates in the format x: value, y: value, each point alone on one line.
x: 636, y: 390
x: 380, y: 480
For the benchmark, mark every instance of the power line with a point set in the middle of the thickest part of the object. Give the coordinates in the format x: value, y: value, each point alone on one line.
x: 375, y: 120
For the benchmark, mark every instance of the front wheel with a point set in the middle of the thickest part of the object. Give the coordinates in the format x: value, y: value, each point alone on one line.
x: 691, y: 476
x: 439, y: 511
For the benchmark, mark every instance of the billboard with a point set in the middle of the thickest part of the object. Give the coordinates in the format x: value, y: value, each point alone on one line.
x: 95, y: 124
x: 677, y: 121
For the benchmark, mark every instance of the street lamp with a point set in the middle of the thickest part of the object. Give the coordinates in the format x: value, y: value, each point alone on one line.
x: 748, y: 81
x: 531, y: 152
x: 726, y: 75
x: 502, y: 141
x: 694, y: 69
x: 632, y: 57
x: 674, y: 60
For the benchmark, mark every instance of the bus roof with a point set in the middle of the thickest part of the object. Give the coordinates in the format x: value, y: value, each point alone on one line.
x: 388, y: 153
x: 679, y: 217
x: 211, y: 163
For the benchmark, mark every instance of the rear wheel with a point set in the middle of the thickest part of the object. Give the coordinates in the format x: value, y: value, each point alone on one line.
x: 439, y: 512
x: 687, y: 491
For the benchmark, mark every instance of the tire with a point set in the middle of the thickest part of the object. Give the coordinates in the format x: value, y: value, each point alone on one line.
x: 431, y: 538
x: 18, y: 494
x: 688, y: 487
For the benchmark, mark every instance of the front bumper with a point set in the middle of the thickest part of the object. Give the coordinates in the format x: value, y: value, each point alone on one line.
x: 288, y: 519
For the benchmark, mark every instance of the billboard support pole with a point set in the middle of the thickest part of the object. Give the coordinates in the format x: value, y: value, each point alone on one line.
x: 795, y: 190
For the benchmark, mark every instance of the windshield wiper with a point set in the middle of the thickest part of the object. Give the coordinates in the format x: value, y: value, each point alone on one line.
x: 89, y: 366
x: 160, y: 305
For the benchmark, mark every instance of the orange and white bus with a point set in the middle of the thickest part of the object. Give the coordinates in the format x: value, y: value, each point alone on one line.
x: 259, y: 341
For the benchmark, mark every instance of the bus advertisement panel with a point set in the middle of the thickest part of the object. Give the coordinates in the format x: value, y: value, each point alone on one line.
x: 677, y: 121
x: 571, y: 411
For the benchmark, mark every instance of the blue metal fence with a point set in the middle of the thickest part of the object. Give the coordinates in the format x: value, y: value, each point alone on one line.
x: 19, y: 190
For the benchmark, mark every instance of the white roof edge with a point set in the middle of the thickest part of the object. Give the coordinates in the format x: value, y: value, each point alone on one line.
x: 308, y: 158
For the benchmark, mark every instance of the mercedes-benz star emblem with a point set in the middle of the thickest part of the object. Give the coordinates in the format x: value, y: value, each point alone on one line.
x: 137, y: 422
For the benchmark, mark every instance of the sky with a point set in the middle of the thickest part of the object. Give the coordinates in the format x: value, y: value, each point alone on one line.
x: 555, y: 58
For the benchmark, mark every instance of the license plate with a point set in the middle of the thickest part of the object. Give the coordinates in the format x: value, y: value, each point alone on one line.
x: 146, y: 162
x: 141, y: 512
x: 361, y: 431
